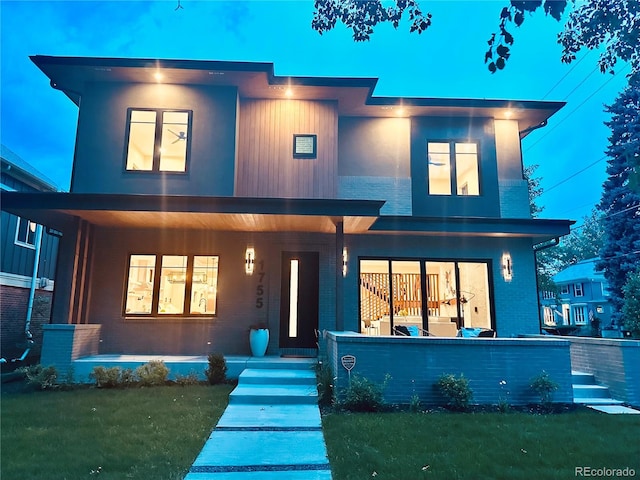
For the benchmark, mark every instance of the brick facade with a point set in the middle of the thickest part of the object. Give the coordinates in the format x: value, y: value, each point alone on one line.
x: 13, y: 312
x: 614, y: 363
x: 416, y: 363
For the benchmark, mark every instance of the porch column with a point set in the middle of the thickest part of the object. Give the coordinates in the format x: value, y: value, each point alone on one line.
x: 68, y: 296
x: 339, y: 277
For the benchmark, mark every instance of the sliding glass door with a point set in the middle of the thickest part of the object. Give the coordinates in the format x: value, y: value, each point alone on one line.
x: 413, y: 296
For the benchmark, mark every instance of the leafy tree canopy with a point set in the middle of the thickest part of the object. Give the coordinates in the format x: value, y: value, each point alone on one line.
x: 613, y: 25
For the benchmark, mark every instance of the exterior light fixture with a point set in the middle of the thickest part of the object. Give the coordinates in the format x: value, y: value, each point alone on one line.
x: 249, y: 260
x: 507, y: 267
x: 32, y: 226
x: 345, y: 258
x: 158, y: 76
x: 508, y: 113
x: 288, y: 92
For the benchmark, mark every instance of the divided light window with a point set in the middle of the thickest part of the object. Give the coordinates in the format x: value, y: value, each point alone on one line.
x: 183, y: 285
x: 157, y: 140
x: 453, y: 167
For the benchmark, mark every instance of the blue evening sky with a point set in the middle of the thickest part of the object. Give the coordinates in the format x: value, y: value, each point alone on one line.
x: 38, y: 123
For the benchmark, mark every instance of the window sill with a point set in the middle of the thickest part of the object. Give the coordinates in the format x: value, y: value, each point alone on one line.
x: 169, y: 318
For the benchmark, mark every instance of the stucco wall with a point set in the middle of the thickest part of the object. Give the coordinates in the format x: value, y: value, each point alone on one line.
x: 415, y: 364
x: 99, y: 163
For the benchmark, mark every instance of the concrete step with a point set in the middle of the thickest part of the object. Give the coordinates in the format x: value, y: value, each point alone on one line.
x: 255, y: 394
x: 596, y: 401
x: 582, y: 378
x: 263, y: 475
x: 270, y: 416
x: 590, y: 391
x: 278, y: 376
x: 281, y: 363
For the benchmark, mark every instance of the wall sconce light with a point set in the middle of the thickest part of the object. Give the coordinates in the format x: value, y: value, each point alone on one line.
x: 507, y: 267
x: 249, y: 260
x: 32, y: 226
x: 345, y: 258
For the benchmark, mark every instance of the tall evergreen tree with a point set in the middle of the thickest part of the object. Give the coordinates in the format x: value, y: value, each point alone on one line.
x: 620, y: 202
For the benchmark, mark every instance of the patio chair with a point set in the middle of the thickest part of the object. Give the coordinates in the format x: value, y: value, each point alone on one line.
x: 487, y: 333
x: 401, y: 330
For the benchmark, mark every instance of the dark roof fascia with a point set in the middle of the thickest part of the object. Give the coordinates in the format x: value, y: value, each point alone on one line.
x: 268, y: 67
x: 265, y: 67
x: 472, y: 225
x: 196, y: 204
x: 466, y: 103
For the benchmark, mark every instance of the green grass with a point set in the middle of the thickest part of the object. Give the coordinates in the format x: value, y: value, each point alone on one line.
x: 407, y: 446
x: 139, y: 433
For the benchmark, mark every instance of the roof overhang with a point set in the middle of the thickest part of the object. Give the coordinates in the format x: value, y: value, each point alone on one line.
x: 354, y: 95
x: 245, y: 214
x: 540, y: 230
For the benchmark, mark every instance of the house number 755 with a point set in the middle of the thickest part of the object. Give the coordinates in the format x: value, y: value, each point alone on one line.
x: 260, y: 285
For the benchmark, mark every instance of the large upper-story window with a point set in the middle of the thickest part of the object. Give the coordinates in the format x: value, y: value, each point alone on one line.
x: 158, y: 140
x: 453, y: 168
x: 186, y: 285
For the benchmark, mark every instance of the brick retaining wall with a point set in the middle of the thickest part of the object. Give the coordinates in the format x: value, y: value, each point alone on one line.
x: 64, y: 343
x: 615, y: 363
x: 416, y: 363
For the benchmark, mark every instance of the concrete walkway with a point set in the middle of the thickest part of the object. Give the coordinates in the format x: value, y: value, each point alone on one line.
x: 270, y: 430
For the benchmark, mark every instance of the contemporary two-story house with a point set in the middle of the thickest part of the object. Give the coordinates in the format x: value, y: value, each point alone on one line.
x: 27, y: 264
x: 582, y: 297
x: 207, y: 196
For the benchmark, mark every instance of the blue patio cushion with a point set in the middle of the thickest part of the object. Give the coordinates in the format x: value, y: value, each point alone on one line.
x: 413, y: 330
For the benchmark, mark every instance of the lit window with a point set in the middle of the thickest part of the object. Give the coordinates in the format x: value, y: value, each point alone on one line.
x: 158, y: 140
x: 173, y: 279
x: 142, y: 270
x: 25, y: 233
x: 577, y: 290
x: 185, y: 282
x: 549, y: 318
x: 453, y: 167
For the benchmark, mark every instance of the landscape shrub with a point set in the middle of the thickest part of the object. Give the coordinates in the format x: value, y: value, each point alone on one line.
x: 190, y: 379
x: 544, y: 387
x: 456, y: 390
x: 324, y: 377
x: 106, y: 377
x: 152, y: 373
x: 217, y: 371
x: 41, y: 378
x: 363, y: 395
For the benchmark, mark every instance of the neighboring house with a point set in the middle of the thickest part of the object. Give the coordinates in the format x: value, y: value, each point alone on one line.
x: 582, y: 296
x: 207, y: 196
x: 27, y: 261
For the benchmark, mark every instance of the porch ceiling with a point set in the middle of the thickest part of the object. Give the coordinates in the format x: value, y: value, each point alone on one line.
x: 57, y: 210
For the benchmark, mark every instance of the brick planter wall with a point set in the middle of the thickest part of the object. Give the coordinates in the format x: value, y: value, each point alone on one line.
x: 13, y: 313
x: 615, y: 363
x: 64, y: 343
x: 416, y: 363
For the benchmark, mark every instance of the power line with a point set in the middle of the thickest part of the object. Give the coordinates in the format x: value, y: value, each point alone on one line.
x: 566, y: 74
x: 575, y: 109
x: 573, y: 175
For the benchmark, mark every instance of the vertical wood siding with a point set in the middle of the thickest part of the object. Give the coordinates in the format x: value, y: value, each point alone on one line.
x: 266, y: 167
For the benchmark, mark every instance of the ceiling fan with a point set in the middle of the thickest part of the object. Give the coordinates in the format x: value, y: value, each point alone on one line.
x: 434, y: 163
x: 180, y: 136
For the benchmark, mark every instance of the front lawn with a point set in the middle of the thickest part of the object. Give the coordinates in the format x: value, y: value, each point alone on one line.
x: 407, y: 446
x: 138, y: 433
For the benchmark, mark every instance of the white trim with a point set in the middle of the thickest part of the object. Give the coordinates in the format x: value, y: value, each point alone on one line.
x: 23, y: 281
x: 20, y: 243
